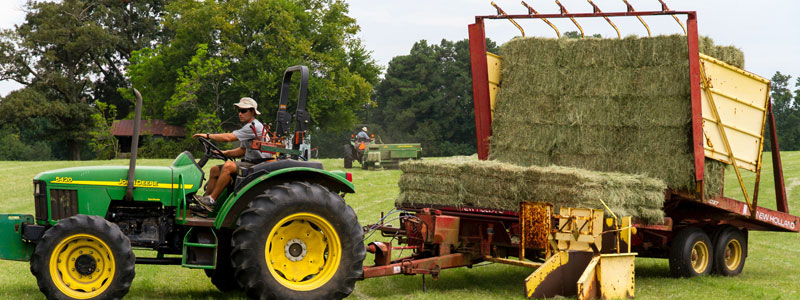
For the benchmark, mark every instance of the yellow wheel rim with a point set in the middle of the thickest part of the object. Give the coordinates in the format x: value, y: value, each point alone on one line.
x: 733, y: 254
x: 82, y: 266
x: 303, y: 251
x: 699, y: 257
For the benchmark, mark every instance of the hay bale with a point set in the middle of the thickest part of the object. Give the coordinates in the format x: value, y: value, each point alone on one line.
x: 602, y: 104
x: 466, y: 181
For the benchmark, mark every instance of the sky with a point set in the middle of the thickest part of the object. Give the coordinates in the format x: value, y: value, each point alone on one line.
x: 768, y: 31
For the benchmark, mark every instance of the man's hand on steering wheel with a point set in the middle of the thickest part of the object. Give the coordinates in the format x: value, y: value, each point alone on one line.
x: 210, y: 150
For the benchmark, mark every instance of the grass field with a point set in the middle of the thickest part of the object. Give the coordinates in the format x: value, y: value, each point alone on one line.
x: 770, y: 271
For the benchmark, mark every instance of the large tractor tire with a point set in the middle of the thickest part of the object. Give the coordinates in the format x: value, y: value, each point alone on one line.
x: 730, y: 251
x: 223, y: 276
x: 298, y: 240
x: 84, y: 257
x: 348, y: 156
x: 691, y: 253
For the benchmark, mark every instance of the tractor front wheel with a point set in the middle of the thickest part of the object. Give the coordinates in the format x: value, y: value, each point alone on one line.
x: 298, y: 240
x: 84, y: 257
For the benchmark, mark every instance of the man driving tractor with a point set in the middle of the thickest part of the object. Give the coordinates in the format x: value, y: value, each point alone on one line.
x: 221, y: 175
x: 362, y: 135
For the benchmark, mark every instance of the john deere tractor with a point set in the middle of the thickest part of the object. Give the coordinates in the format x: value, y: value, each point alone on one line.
x: 281, y: 229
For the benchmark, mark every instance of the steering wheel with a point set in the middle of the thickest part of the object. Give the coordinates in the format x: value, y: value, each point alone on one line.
x: 210, y: 151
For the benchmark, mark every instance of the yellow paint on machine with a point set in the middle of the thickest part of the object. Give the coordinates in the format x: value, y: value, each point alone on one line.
x: 123, y: 183
x: 537, y: 277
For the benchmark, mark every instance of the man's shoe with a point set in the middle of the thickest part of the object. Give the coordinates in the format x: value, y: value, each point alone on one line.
x: 206, y: 202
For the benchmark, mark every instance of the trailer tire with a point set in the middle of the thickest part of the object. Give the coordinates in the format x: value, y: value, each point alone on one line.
x: 298, y: 240
x: 348, y: 156
x: 691, y: 253
x: 79, y: 248
x: 730, y: 251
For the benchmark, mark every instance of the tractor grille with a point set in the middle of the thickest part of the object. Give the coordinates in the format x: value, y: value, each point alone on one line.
x: 63, y: 203
x: 40, y: 198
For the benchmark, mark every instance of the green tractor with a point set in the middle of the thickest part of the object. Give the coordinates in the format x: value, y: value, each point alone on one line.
x: 281, y: 230
x: 375, y: 155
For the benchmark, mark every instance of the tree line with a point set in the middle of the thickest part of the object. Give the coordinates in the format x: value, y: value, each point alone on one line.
x: 191, y: 60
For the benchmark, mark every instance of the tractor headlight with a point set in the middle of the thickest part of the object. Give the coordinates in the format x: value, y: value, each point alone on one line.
x: 36, y: 188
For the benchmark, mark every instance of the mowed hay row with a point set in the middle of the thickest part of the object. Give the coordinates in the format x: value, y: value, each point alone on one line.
x: 611, y: 105
x: 497, y: 185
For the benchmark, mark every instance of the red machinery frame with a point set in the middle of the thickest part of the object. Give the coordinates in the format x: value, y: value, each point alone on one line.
x: 760, y: 219
x: 489, y: 234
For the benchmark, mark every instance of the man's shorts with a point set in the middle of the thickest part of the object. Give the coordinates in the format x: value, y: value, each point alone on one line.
x: 244, y: 164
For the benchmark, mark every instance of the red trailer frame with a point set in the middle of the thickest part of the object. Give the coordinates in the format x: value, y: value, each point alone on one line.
x: 720, y: 209
x: 485, y: 234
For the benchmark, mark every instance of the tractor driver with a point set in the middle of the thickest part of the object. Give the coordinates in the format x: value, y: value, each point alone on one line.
x: 221, y: 175
x: 362, y: 135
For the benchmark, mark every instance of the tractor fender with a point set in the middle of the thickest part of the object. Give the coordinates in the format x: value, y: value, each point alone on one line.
x: 335, y: 181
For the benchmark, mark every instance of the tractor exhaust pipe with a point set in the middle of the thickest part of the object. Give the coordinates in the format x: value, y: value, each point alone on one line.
x: 134, y: 145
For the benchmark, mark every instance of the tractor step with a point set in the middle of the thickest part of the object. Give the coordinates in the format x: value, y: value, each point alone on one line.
x: 200, y: 249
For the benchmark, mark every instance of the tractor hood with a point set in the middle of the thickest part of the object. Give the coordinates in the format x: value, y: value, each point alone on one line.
x: 109, y: 182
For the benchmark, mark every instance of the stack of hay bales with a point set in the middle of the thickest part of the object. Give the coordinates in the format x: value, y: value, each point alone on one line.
x: 467, y: 181
x: 606, y: 106
x: 603, y: 104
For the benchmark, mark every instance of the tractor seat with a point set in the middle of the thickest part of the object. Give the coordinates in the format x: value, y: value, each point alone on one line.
x: 246, y: 175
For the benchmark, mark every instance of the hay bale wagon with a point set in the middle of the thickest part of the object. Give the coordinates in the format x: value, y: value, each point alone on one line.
x: 721, y: 112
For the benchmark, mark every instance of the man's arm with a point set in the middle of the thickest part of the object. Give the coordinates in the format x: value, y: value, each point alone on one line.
x: 238, y: 152
x: 219, y: 137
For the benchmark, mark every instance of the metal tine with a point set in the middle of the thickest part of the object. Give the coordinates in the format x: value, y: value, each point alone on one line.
x: 503, y: 13
x: 598, y: 11
x: 532, y: 11
x: 664, y: 8
x: 630, y: 9
x: 564, y: 11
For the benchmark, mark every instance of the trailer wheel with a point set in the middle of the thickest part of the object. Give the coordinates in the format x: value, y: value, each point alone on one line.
x: 691, y: 253
x: 730, y: 252
x: 298, y: 240
x: 83, y: 257
x: 348, y: 156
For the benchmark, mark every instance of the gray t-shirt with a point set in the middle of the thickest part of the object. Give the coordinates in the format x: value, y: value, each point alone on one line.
x: 245, y: 136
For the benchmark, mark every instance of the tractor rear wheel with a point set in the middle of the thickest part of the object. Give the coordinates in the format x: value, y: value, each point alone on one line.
x: 83, y: 257
x: 348, y: 156
x: 730, y: 251
x: 691, y: 253
x: 298, y: 240
x: 223, y: 276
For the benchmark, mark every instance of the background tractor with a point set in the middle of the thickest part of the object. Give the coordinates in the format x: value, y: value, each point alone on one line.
x: 373, y: 155
x: 280, y: 230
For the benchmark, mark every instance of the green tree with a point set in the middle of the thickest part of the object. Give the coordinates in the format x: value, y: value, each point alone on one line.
x: 786, y: 108
x: 103, y: 142
x: 426, y: 97
x: 73, y: 52
x: 219, y: 51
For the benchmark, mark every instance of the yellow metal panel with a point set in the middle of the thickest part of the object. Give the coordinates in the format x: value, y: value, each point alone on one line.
x: 588, y: 286
x: 616, y: 276
x: 493, y: 64
x: 741, y: 99
x: 537, y: 277
x: 580, y: 229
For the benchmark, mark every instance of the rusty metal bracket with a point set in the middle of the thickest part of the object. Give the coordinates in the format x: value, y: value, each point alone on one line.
x: 532, y: 11
x: 503, y: 13
x: 598, y: 11
x: 630, y: 9
x: 564, y: 12
x: 664, y: 8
